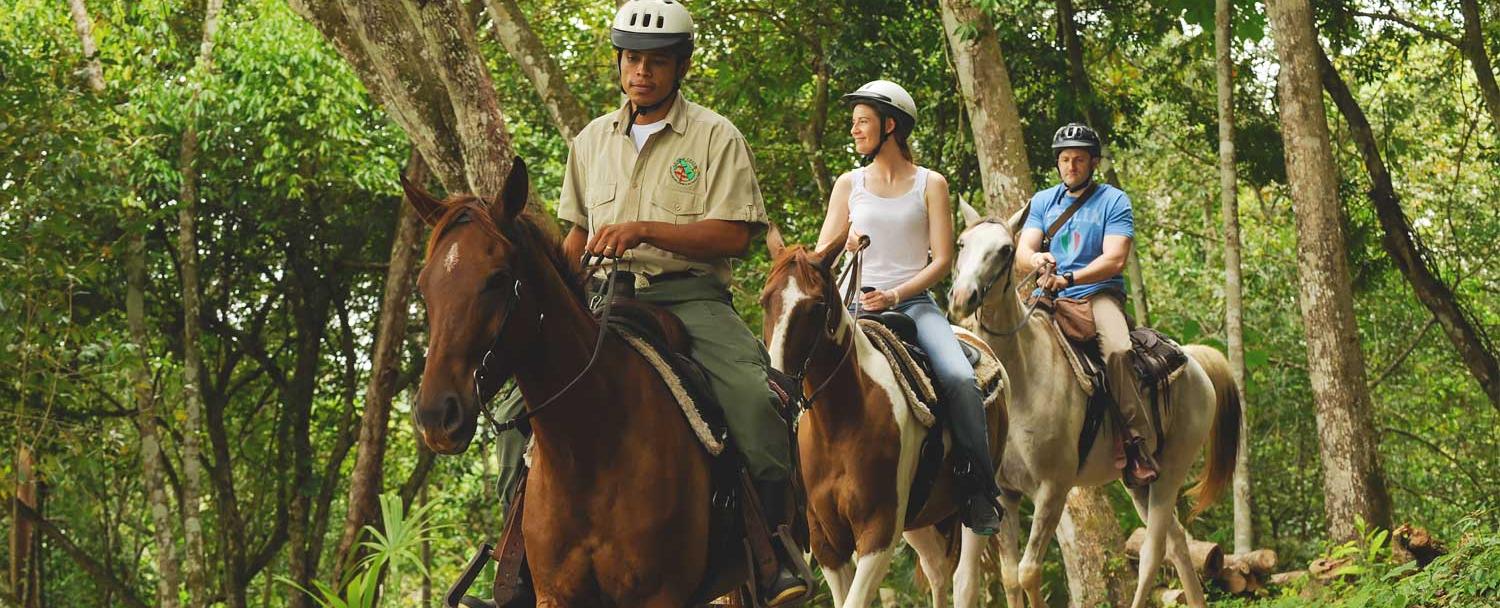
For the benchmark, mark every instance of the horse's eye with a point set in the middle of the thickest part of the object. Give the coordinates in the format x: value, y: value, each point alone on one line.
x: 496, y: 281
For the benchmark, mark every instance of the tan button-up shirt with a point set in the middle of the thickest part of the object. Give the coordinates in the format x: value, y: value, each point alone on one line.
x: 698, y: 168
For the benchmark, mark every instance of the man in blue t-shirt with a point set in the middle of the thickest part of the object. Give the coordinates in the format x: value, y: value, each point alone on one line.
x: 1083, y: 260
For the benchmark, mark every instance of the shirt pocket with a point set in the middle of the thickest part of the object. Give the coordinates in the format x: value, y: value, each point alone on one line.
x: 598, y: 198
x: 677, y: 204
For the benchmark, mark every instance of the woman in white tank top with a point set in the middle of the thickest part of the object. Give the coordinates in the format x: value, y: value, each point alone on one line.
x: 904, y: 210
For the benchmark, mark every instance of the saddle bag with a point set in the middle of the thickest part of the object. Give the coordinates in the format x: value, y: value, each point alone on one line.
x: 1154, y: 356
x: 1074, y: 317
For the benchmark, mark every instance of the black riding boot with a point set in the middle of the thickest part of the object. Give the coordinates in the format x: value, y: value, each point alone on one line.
x: 786, y: 587
x: 976, y: 472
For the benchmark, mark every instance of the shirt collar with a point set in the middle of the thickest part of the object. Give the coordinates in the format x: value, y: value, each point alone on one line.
x: 676, y: 115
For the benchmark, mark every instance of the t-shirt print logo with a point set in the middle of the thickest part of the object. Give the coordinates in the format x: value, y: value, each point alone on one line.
x: 685, y: 171
x: 1069, y: 242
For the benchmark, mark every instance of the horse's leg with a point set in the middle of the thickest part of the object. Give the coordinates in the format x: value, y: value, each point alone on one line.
x: 1049, y: 501
x: 1160, y: 516
x: 869, y: 571
x: 839, y: 578
x: 932, y: 554
x: 1010, y: 553
x: 966, y: 577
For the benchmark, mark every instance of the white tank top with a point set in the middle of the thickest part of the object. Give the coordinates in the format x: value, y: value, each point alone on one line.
x: 897, y: 227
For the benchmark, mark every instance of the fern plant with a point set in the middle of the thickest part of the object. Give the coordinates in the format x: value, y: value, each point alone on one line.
x: 394, y: 547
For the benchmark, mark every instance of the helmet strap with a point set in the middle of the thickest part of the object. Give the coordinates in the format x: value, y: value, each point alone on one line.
x: 884, y: 135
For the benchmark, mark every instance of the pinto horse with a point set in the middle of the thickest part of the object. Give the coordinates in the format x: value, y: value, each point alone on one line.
x: 1047, y: 416
x: 618, y: 497
x: 858, y: 442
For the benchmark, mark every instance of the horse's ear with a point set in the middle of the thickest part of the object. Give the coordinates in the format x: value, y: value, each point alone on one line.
x: 774, y: 242
x: 830, y: 255
x: 513, y: 196
x: 971, y: 216
x: 427, y: 206
x: 1018, y: 219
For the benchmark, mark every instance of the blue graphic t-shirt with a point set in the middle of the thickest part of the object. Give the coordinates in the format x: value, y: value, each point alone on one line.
x: 1081, y: 239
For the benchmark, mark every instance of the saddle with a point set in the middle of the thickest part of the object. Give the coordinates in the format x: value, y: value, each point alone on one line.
x: 1156, y: 359
x: 894, y: 334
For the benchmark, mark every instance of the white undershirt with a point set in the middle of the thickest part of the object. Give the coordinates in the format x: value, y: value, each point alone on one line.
x: 641, y: 133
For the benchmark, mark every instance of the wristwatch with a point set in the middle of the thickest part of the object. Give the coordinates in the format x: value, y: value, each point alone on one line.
x: 1068, y: 276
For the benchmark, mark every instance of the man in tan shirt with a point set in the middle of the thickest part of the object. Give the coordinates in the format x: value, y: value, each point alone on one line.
x: 668, y: 187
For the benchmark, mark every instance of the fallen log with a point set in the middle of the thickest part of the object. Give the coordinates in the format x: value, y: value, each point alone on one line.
x: 1282, y: 579
x: 1207, y: 557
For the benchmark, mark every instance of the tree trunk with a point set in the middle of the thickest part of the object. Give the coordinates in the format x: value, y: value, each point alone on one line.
x: 366, y: 481
x: 991, y: 104
x: 168, y: 575
x: 1479, y: 58
x: 1353, y: 482
x: 1244, y: 532
x: 25, y: 562
x: 187, y: 250
x: 85, y: 28
x: 523, y: 45
x: 811, y: 134
x: 1093, y: 551
x: 451, y: 114
x: 310, y: 303
x: 1404, y: 248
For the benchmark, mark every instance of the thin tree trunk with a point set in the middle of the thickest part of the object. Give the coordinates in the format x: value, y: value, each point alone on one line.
x: 85, y: 28
x: 426, y: 559
x: 187, y: 249
x: 811, y: 133
x: 310, y: 309
x: 1406, y: 251
x: 541, y: 69
x: 86, y: 562
x: 991, y: 103
x: 1479, y: 58
x: 25, y: 561
x: 366, y: 481
x: 1244, y: 531
x: 1353, y: 481
x: 1093, y: 550
x: 168, y: 575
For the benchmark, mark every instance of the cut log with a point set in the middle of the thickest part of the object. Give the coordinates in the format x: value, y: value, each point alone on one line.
x: 1233, y: 580
x: 1325, y: 570
x: 1208, y: 558
x: 1259, y: 561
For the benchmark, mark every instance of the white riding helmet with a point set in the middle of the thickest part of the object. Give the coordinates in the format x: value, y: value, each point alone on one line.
x: 648, y: 25
x: 887, y: 96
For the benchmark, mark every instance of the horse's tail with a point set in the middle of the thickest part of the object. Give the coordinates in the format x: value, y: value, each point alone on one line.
x: 1224, y: 439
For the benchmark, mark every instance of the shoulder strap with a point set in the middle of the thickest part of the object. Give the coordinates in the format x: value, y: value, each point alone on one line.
x: 1066, y: 215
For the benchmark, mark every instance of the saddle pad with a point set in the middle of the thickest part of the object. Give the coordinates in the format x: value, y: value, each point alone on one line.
x: 701, y: 428
x: 915, y: 383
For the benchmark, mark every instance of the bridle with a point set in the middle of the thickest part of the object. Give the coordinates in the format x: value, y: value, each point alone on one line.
x: 984, y: 290
x: 481, y: 377
x: 831, y: 317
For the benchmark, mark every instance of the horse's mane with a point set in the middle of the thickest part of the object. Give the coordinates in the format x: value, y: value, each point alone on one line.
x: 529, y: 232
x: 800, y: 262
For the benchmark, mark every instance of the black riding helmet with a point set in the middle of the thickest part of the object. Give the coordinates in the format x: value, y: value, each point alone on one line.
x: 1077, y: 135
x: 652, y: 25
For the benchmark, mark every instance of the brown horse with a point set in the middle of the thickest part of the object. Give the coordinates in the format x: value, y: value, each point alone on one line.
x: 859, y: 439
x: 617, y: 501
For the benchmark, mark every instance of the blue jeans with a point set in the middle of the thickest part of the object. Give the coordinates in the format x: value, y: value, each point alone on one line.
x: 959, y: 400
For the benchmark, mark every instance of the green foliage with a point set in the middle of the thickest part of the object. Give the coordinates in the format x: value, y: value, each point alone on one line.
x: 393, y: 547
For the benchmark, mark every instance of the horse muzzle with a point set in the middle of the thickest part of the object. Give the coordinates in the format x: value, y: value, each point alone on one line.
x: 444, y: 424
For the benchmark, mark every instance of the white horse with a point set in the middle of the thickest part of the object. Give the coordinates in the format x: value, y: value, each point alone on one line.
x: 1046, y: 414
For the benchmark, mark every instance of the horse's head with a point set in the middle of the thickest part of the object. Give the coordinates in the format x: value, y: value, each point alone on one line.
x: 986, y: 255
x: 471, y: 285
x: 800, y: 303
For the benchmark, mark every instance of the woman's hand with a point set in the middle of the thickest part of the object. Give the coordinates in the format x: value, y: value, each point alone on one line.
x: 879, y: 299
x: 851, y: 244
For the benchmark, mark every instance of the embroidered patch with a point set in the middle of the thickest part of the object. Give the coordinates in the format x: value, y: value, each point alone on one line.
x: 685, y: 171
